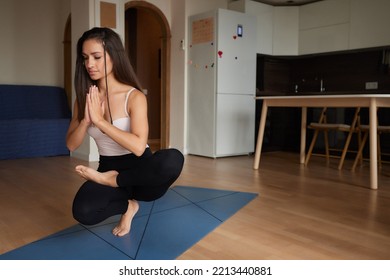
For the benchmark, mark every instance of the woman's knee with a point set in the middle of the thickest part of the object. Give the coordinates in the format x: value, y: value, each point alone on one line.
x: 82, y: 212
x: 82, y: 209
x: 173, y: 162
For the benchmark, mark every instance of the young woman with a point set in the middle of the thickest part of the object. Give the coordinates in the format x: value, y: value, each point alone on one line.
x: 111, y: 108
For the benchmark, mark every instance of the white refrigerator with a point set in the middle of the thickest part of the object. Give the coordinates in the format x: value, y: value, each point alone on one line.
x: 221, y: 84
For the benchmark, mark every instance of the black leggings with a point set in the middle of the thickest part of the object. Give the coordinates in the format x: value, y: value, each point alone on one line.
x: 144, y: 178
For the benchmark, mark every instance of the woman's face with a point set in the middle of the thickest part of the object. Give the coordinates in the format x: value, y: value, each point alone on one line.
x: 93, y: 54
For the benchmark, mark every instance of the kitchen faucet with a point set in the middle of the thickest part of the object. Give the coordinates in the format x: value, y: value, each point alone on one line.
x: 322, y: 89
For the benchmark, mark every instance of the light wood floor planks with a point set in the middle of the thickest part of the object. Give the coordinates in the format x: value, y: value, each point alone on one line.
x: 314, y: 212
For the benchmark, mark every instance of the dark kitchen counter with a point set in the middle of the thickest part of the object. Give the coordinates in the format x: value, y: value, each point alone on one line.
x: 276, y: 93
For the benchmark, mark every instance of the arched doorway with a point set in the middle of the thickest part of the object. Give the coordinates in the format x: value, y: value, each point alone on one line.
x: 147, y: 40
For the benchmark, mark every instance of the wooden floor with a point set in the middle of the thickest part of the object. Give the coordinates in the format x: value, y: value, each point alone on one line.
x: 314, y: 212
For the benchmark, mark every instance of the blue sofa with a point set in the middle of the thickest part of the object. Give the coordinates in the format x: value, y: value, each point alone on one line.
x: 33, y: 121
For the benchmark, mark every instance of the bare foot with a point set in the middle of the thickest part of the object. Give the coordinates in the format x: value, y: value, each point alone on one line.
x: 105, y: 178
x: 124, y: 225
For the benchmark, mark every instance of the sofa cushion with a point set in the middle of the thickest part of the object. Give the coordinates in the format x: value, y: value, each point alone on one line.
x: 33, y: 138
x: 33, y: 102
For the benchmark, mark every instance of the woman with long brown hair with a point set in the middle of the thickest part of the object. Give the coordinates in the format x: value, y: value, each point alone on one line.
x: 111, y: 107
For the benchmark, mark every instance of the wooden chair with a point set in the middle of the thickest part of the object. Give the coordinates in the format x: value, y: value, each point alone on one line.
x: 323, y: 126
x: 365, y: 129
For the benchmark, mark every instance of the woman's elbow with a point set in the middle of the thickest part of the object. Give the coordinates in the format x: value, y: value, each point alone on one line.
x: 139, y: 151
x: 70, y: 147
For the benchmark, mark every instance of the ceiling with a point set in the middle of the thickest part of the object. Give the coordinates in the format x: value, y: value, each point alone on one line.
x: 287, y: 2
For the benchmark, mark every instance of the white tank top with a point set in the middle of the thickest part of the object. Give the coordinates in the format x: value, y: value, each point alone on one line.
x: 107, y: 146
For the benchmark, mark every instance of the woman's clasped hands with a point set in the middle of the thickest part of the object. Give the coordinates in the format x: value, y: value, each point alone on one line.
x: 94, y: 106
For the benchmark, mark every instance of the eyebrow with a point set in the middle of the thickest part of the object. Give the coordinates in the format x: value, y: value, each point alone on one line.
x: 94, y: 53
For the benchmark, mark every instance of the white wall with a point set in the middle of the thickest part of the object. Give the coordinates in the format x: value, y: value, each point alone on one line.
x: 83, y: 18
x: 265, y: 17
x: 166, y: 6
x: 8, y: 35
x: 277, y: 27
x: 191, y: 8
x: 324, y: 26
x: 369, y: 23
x: 285, y: 31
x: 334, y: 25
x: 178, y: 77
x: 200, y: 6
x: 31, y: 50
x: 32, y: 33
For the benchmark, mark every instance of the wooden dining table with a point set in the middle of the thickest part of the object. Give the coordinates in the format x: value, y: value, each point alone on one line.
x: 371, y: 101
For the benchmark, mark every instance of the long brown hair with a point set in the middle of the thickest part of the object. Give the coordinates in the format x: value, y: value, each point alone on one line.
x: 122, y: 69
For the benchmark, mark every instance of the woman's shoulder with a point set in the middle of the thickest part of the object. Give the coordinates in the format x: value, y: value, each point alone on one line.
x: 135, y: 97
x: 127, y: 90
x: 133, y: 91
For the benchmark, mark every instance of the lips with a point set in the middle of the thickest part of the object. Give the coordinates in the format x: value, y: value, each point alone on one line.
x: 92, y: 73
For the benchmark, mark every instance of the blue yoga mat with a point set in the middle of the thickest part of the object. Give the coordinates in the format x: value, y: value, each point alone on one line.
x: 162, y: 229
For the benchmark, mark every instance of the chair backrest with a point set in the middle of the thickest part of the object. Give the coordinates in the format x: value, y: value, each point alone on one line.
x: 356, y: 118
x: 322, y: 118
x: 383, y: 118
x: 323, y: 121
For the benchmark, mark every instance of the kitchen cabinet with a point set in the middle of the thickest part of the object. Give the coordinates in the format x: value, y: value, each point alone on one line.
x: 325, y: 26
x: 369, y: 24
x: 332, y: 25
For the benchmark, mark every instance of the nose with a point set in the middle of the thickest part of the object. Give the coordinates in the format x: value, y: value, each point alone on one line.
x: 88, y: 64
